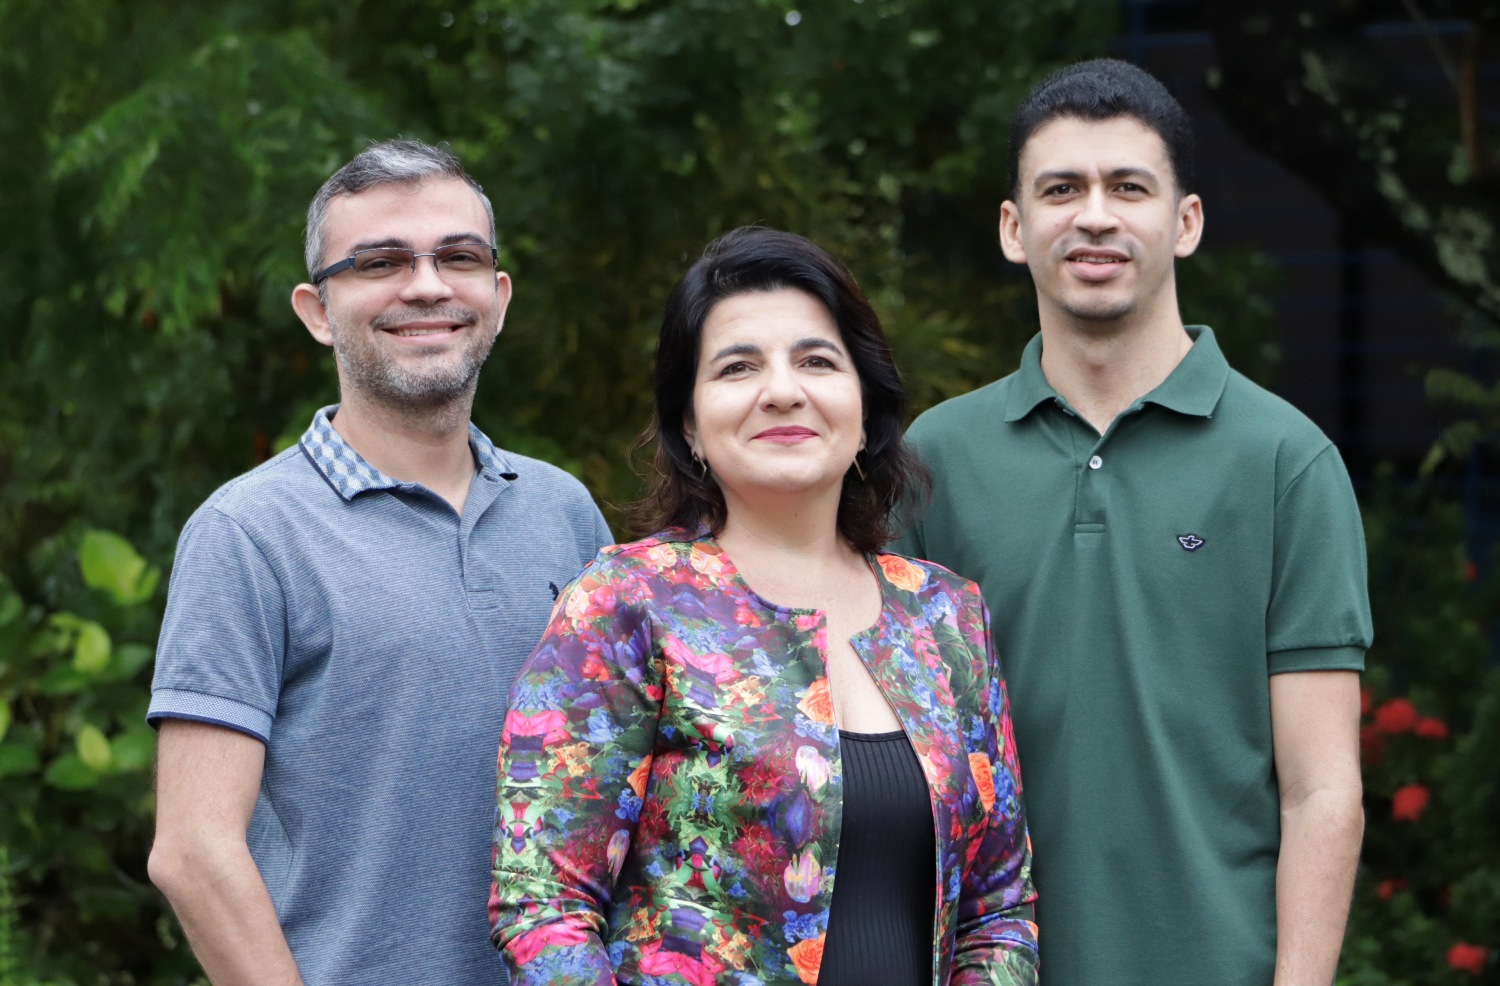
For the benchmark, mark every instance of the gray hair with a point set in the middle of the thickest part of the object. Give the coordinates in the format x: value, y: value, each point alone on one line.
x: 390, y: 162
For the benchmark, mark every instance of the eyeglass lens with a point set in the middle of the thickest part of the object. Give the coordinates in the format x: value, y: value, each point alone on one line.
x: 456, y: 258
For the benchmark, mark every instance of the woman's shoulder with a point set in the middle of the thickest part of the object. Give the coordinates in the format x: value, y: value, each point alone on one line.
x: 923, y: 577
x: 654, y: 554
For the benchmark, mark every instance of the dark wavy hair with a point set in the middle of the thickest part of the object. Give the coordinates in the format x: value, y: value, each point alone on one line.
x: 751, y: 259
x: 1102, y: 89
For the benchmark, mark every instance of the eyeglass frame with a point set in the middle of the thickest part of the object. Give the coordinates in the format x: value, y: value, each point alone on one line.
x: 349, y: 262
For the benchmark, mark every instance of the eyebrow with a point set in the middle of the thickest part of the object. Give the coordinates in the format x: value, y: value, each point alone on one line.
x: 816, y: 342
x: 1062, y: 174
x: 751, y: 349
x: 398, y: 243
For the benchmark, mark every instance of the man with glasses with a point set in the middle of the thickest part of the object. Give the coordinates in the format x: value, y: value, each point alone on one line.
x: 344, y: 622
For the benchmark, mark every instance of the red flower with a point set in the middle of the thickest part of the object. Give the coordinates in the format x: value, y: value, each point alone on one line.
x: 1365, y: 701
x: 1371, y: 745
x: 1430, y: 727
x: 1408, y: 803
x: 1396, y: 716
x: 1468, y: 958
x: 984, y: 778
x: 1471, y: 571
x: 765, y: 776
x: 1390, y: 888
x: 757, y: 849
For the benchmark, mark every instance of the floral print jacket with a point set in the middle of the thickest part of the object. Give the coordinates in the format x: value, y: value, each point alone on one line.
x: 669, y: 795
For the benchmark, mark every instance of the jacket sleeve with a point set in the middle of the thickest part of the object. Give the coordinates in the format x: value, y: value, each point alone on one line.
x: 996, y: 943
x: 574, y: 757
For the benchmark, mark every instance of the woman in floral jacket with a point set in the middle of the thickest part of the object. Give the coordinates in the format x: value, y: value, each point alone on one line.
x: 698, y: 785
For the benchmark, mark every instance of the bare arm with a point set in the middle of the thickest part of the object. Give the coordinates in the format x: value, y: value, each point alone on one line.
x: 206, y: 783
x: 1315, y: 731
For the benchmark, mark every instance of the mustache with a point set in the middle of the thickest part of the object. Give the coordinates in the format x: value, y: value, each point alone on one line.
x: 447, y: 313
x: 1094, y: 242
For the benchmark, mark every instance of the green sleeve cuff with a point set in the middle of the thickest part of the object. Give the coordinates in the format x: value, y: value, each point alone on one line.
x: 1316, y: 659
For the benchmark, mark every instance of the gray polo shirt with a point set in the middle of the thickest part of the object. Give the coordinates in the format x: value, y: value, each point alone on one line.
x: 368, y: 635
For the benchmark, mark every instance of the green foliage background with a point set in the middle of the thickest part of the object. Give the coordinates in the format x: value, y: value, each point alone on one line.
x: 159, y: 159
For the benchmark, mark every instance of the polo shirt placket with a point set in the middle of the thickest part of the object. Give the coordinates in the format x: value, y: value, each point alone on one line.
x: 350, y: 475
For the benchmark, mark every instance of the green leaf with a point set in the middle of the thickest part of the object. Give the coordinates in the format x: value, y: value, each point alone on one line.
x: 94, y: 748
x: 134, y: 748
x: 91, y: 651
x: 11, y: 637
x: 56, y: 636
x: 112, y: 565
x: 4, y: 717
x: 16, y: 758
x: 63, y: 679
x: 69, y: 773
x: 10, y: 606
x: 126, y: 661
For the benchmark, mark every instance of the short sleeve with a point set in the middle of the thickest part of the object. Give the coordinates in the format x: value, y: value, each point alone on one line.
x: 1318, y: 618
x: 602, y: 536
x: 223, y: 639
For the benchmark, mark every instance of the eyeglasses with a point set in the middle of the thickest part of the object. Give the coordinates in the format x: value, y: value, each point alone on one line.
x: 453, y: 260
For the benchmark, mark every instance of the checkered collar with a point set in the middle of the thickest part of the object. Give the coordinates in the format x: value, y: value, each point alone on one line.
x: 350, y: 474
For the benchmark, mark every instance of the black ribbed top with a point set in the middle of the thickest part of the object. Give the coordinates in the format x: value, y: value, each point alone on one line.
x: 880, y: 922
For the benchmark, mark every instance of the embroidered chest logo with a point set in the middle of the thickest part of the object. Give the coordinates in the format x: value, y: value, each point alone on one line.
x: 1190, y: 542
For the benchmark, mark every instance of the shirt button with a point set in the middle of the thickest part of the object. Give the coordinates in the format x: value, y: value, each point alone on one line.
x: 1095, y: 462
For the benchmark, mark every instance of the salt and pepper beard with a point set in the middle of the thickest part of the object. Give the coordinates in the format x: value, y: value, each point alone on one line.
x: 381, y: 378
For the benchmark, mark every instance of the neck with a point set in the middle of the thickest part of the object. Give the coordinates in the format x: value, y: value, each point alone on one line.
x: 427, y: 446
x: 1102, y: 369
x: 799, y: 525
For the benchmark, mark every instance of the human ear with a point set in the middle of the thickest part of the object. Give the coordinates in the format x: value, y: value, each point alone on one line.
x: 309, y: 308
x: 690, y: 433
x: 1189, y: 225
x: 1010, y: 232
x: 502, y: 298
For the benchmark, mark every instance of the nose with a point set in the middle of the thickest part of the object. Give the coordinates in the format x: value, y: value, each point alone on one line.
x: 426, y: 283
x: 1095, y: 215
x: 781, y: 388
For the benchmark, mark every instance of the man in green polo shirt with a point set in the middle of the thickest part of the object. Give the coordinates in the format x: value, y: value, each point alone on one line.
x: 1175, y: 567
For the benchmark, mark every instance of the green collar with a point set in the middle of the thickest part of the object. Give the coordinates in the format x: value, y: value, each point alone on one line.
x: 1193, y: 387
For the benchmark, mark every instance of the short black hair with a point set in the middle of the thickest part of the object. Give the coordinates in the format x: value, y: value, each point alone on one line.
x: 754, y: 259
x: 1102, y: 89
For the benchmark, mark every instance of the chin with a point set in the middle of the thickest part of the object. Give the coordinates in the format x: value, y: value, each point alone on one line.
x: 783, y: 486
x: 1100, y: 311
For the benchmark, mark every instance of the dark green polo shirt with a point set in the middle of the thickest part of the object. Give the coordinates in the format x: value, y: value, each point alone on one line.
x: 1143, y: 586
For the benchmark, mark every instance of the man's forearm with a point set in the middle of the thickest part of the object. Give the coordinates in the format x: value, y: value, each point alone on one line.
x: 226, y: 911
x: 1320, y: 840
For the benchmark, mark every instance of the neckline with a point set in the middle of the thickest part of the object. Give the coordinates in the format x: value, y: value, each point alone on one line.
x: 737, y: 577
x: 888, y: 736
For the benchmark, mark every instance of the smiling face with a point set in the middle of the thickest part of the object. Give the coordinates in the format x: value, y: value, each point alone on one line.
x: 777, y: 406
x: 1099, y: 221
x: 413, y: 340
